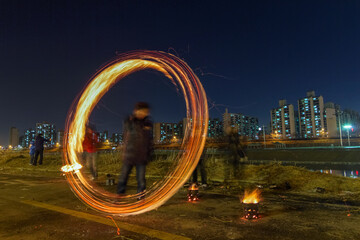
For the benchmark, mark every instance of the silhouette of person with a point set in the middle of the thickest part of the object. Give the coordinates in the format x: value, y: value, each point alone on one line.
x: 138, y: 146
x: 39, y: 148
x: 235, y: 153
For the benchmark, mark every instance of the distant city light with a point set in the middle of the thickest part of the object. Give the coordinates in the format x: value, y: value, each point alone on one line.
x: 347, y: 126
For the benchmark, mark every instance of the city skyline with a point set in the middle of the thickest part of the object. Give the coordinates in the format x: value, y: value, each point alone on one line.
x: 290, y: 115
x: 248, y: 55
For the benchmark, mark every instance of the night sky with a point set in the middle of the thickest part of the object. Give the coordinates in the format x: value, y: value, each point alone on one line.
x: 248, y: 55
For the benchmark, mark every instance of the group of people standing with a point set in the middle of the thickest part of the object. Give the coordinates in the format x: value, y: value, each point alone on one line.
x: 234, y: 158
x: 37, y: 149
x: 138, y: 148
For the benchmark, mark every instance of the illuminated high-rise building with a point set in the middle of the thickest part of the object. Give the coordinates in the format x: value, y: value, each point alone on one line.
x: 116, y: 138
x: 245, y: 125
x: 103, y: 136
x: 60, y: 137
x: 21, y: 140
x: 215, y: 128
x: 29, y: 135
x: 311, y: 116
x: 167, y: 132
x: 172, y: 132
x: 283, y: 121
x: 48, y: 130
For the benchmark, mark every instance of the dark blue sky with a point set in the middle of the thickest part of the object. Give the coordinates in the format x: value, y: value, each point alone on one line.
x: 248, y: 55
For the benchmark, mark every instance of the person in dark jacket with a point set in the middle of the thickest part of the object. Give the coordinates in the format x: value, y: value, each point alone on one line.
x: 235, y: 151
x: 39, y: 148
x: 32, y: 152
x: 138, y: 146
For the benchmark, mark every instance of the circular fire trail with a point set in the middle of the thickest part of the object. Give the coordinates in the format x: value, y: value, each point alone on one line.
x: 181, y: 75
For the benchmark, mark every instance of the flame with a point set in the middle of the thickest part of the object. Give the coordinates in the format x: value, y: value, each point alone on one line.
x: 253, y: 197
x: 193, y: 187
x: 182, y: 76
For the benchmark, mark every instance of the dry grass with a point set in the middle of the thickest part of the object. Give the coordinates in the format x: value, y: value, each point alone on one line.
x: 299, y: 179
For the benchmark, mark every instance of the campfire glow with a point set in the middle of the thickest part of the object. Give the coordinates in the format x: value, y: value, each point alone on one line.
x: 251, y: 202
x: 193, y: 187
x: 253, y: 197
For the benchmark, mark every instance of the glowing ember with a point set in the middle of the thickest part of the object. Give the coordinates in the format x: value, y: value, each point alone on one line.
x: 181, y: 75
x: 251, y: 210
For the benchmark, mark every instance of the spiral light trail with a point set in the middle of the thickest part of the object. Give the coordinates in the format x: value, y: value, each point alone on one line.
x: 191, y: 147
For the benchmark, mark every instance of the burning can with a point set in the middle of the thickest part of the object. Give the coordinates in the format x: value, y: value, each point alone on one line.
x: 251, y: 210
x: 251, y: 204
x: 193, y: 193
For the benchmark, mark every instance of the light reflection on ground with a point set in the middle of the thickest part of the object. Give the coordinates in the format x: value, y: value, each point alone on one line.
x: 344, y: 173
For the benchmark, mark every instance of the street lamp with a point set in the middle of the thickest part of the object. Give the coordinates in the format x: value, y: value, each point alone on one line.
x: 348, y: 128
x: 263, y: 128
x: 341, y: 142
x: 322, y: 132
x: 174, y: 139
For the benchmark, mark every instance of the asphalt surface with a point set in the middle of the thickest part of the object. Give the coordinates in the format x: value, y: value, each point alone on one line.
x: 34, y: 207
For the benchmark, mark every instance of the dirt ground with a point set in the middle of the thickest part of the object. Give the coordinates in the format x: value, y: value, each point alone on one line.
x: 217, y: 215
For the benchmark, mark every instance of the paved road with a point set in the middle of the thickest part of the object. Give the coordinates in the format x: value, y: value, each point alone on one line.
x: 45, y: 208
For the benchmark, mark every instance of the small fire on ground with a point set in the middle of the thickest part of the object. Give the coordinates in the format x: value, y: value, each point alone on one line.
x: 251, y: 204
x: 193, y: 193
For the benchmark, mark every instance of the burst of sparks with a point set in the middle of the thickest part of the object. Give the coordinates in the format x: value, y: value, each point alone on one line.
x: 74, y: 167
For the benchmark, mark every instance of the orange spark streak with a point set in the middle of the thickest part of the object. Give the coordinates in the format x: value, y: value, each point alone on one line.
x: 117, y: 227
x: 192, y: 144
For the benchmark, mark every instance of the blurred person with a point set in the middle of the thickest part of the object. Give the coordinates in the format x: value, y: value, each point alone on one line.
x: 235, y: 153
x: 200, y: 166
x: 138, y: 146
x: 90, y: 148
x: 32, y: 152
x: 39, y: 148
